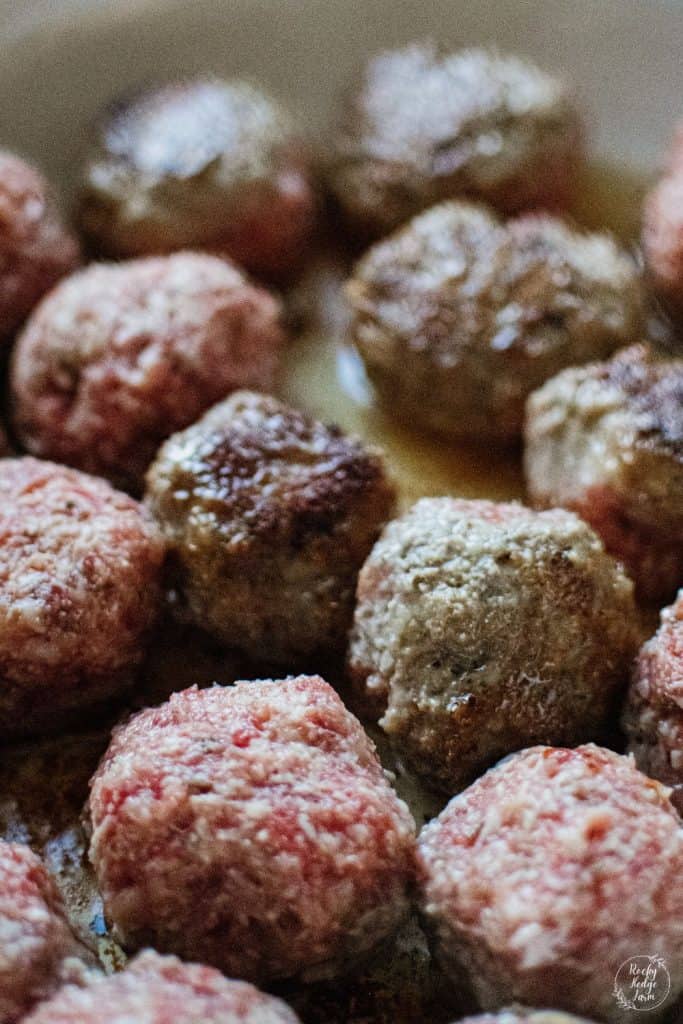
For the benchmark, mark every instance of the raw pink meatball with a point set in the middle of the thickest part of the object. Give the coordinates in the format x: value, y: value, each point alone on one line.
x: 79, y: 592
x: 121, y: 355
x: 653, y: 718
x: 38, y: 951
x: 161, y: 990
x: 548, y: 874
x: 36, y: 248
x: 250, y: 827
x: 206, y: 164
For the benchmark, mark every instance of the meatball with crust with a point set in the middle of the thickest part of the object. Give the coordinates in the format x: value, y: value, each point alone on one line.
x: 38, y: 951
x: 36, y: 247
x: 201, y: 164
x: 545, y: 877
x: 268, y: 516
x: 251, y: 827
x: 459, y: 317
x: 421, y: 126
x: 121, y: 355
x: 80, y: 590
x: 606, y: 440
x: 653, y: 717
x: 481, y: 628
x: 157, y: 989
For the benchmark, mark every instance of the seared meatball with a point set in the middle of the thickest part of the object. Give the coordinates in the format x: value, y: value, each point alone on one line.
x: 121, y: 355
x: 421, y: 126
x: 201, y: 164
x: 663, y: 231
x: 548, y: 874
x: 38, y: 951
x: 80, y: 568
x: 268, y: 516
x: 653, y: 718
x: 251, y: 827
x: 521, y: 1015
x: 4, y: 443
x: 36, y: 247
x: 607, y: 441
x: 481, y: 628
x: 161, y: 990
x: 458, y: 317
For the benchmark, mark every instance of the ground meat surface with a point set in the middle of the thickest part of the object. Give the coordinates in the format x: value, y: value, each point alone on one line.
x: 607, y: 441
x: 201, y: 164
x: 653, y: 718
x: 252, y: 828
x: 458, y: 317
x: 121, y: 355
x: 36, y: 247
x: 157, y: 989
x: 481, y: 628
x: 268, y: 515
x: 80, y: 589
x: 420, y: 126
x: 38, y: 951
x: 551, y: 872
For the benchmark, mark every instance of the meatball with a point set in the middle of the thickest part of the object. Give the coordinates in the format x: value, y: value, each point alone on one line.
x: 458, y: 317
x: 203, y: 164
x: 422, y: 126
x: 653, y: 718
x: 481, y: 628
x: 4, y: 442
x: 161, y: 990
x: 36, y: 247
x: 663, y: 231
x: 250, y: 827
x: 268, y: 516
x: 551, y: 872
x: 80, y: 568
x: 121, y: 355
x: 607, y: 441
x: 38, y: 951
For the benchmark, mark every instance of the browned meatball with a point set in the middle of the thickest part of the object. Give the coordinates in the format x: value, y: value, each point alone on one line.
x: 268, y: 516
x: 4, y: 442
x: 607, y: 441
x: 653, y: 718
x: 201, y: 164
x: 251, y: 827
x: 481, y: 628
x: 38, y: 951
x: 552, y: 874
x: 458, y: 317
x: 161, y: 990
x: 121, y: 355
x: 36, y: 247
x: 80, y: 567
x: 421, y: 126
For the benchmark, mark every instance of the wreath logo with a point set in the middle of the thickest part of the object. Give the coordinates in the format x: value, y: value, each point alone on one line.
x: 642, y: 983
